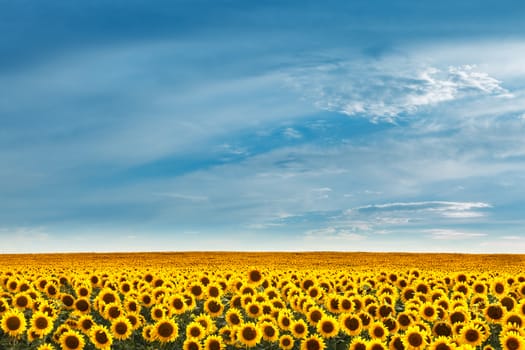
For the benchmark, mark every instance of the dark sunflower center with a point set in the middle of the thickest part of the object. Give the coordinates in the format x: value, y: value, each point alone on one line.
x: 313, y: 344
x: 415, y: 339
x: 377, y: 347
x: 442, y: 346
x: 214, y: 345
x: 108, y: 298
x: 121, y: 328
x: 495, y: 312
x: 13, y: 323
x: 472, y: 335
x: 193, y: 346
x: 196, y: 290
x: 254, y: 309
x: 286, y: 322
x: 68, y: 300
x: 443, y: 329
x: 285, y: 342
x: 379, y: 332
x: 512, y: 344
x: 82, y: 305
x: 429, y: 312
x: 114, y: 312
x: 316, y: 315
x: 101, y: 337
x: 398, y: 344
x: 404, y: 320
x: 269, y: 331
x: 195, y: 331
x: 457, y: 317
x: 352, y: 323
x: 515, y: 319
x: 41, y: 323
x: 255, y: 276
x: 299, y: 328
x: 72, y: 342
x: 165, y: 329
x: 249, y: 333
x: 360, y: 346
x: 22, y: 301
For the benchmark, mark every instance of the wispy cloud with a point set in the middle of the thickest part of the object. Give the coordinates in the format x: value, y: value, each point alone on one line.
x: 333, y: 233
x: 292, y: 133
x: 450, y: 234
x: 386, y: 89
x: 443, y: 208
x: 187, y: 197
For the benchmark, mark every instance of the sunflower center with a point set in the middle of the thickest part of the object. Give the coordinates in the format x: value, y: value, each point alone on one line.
x: 196, y: 290
x: 101, y: 337
x: 515, y: 319
x: 254, y: 309
x: 13, y: 323
x: 114, y: 312
x: 360, y: 346
x: 22, y: 301
x: 512, y: 344
x: 195, y: 332
x: 285, y: 342
x: 255, y: 276
x: 415, y: 339
x: 499, y: 288
x: 41, y: 323
x: 249, y: 333
x: 269, y: 331
x: 108, y: 298
x: 442, y: 346
x: 379, y: 332
x: 457, y: 317
x: 377, y: 347
x: 313, y: 344
x: 286, y: 322
x: 404, y: 320
x: 82, y: 305
x: 72, y: 342
x: 214, y: 345
x: 352, y: 323
x: 443, y: 329
x: 165, y: 329
x: 429, y: 312
x: 495, y: 312
x: 472, y: 335
x: 398, y: 344
x: 121, y: 328
x: 299, y: 328
x: 193, y: 346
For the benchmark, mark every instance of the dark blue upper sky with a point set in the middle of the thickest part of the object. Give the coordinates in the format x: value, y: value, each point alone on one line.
x: 268, y: 125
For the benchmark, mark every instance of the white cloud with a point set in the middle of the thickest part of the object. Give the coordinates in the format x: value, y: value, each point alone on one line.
x: 384, y: 90
x: 450, y: 234
x: 333, y: 233
x: 442, y: 208
x: 191, y: 198
x: 292, y: 133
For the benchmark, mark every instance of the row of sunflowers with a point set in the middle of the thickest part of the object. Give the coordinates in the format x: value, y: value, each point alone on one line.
x: 81, y: 305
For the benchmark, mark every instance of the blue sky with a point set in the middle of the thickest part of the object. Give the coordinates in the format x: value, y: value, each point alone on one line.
x: 262, y: 125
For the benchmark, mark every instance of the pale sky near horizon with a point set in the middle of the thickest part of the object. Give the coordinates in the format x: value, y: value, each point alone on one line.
x: 262, y: 125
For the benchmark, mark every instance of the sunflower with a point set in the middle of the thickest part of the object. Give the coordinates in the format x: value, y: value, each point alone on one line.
x: 428, y: 312
x: 313, y: 342
x: 442, y: 343
x: 83, y: 291
x: 22, y: 301
x: 13, y: 323
x: 299, y: 329
x: 442, y: 328
x: 270, y: 332
x: 82, y: 305
x: 328, y: 326
x: 46, y: 346
x: 314, y: 314
x: 121, y: 328
x: 512, y: 341
x: 228, y: 335
x: 396, y: 343
x: 214, y: 342
x: 195, y: 330
x: 146, y: 299
x: 177, y: 304
x: 72, y: 340
x: 378, y: 331
x: 41, y: 323
x: 196, y: 289
x: 157, y: 312
x: 508, y: 302
x: 67, y: 300
x: 471, y: 334
x: 498, y: 287
x: 494, y: 312
x: 284, y: 319
x: 286, y: 342
x: 166, y: 330
x: 375, y: 344
x: 249, y: 334
x: 255, y: 276
x: 414, y: 338
x: 458, y: 315
x: 357, y: 343
x: 112, y: 311
x: 207, y: 322
x: 513, y: 317
x: 101, y: 337
x: 350, y: 324
x: 253, y: 309
x: 148, y: 333
x: 192, y: 344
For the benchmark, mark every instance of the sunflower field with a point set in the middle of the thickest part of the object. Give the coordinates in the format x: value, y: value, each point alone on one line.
x: 300, y: 301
